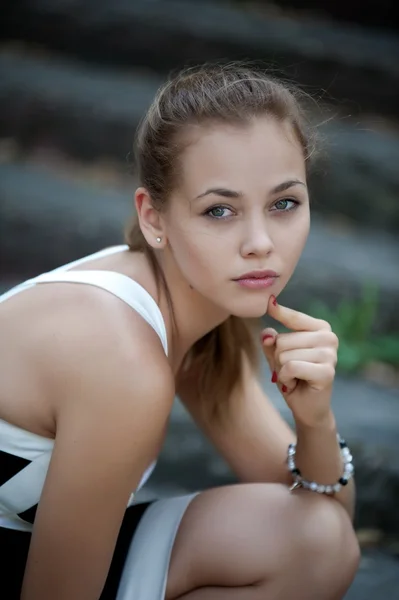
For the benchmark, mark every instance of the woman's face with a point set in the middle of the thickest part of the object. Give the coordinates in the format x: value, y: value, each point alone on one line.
x: 242, y: 205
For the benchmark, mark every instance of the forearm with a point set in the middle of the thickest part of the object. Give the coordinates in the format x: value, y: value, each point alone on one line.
x: 319, y: 459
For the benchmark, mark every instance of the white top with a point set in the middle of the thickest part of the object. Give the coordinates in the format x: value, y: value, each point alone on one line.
x: 26, y: 454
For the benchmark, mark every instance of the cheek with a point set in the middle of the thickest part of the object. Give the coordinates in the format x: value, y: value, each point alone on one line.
x: 294, y: 243
x: 199, y: 251
x: 196, y: 240
x: 290, y: 243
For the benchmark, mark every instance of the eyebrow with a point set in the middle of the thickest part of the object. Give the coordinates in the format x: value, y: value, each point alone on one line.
x: 226, y: 193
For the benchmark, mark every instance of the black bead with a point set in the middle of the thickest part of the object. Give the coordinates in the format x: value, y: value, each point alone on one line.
x: 343, y: 444
x: 295, y: 471
x: 343, y: 481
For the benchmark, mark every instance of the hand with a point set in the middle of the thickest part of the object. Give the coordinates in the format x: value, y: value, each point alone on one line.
x: 303, y: 362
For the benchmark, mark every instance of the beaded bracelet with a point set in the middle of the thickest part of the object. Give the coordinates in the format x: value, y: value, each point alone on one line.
x: 299, y: 481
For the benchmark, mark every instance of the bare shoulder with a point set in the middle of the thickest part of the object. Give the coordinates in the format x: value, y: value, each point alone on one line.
x: 61, y: 336
x: 110, y: 371
x: 93, y: 336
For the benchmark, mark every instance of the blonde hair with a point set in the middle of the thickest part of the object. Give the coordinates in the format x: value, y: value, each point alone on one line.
x: 233, y: 93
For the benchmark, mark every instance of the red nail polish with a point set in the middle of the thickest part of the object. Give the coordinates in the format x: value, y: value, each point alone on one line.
x: 266, y: 336
x: 284, y: 388
x: 274, y: 300
x: 274, y: 377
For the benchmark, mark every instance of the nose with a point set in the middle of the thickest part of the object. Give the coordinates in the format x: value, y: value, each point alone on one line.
x: 256, y: 240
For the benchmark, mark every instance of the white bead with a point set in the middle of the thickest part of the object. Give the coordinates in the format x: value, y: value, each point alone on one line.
x: 349, y: 470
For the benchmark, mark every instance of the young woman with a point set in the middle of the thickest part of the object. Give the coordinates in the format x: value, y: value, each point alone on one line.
x: 89, y: 373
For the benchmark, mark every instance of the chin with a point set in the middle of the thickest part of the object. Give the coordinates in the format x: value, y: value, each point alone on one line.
x: 250, y: 310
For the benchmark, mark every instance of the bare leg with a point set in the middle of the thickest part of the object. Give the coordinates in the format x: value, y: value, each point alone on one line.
x: 259, y: 542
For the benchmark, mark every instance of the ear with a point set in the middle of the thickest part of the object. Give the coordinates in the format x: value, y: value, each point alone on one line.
x: 149, y: 218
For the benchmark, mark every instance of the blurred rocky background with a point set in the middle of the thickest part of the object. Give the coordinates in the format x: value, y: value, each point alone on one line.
x: 75, y: 78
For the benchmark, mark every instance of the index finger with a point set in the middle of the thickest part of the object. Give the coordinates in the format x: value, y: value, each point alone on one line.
x: 293, y: 319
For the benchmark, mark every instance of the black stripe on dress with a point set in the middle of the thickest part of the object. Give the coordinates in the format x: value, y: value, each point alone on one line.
x: 130, y: 522
x: 10, y: 465
x: 14, y: 547
x: 29, y: 514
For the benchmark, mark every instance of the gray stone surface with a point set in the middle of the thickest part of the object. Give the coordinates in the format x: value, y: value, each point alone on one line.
x: 47, y: 220
x: 90, y: 113
x: 350, y: 64
x: 375, y: 13
x: 377, y: 578
x: 87, y: 112
x: 357, y: 176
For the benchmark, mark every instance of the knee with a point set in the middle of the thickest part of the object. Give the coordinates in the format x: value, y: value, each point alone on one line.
x: 329, y: 541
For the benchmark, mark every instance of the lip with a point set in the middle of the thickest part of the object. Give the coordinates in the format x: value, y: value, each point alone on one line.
x: 257, y: 275
x: 257, y: 280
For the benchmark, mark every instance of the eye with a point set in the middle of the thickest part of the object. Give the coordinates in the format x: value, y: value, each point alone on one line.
x: 217, y: 212
x: 281, y: 205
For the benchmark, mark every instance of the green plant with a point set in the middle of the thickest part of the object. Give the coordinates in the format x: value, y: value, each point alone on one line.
x: 353, y: 322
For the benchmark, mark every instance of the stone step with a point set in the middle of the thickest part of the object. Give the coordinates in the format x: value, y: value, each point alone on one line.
x: 47, y: 219
x: 376, y: 13
x: 90, y: 113
x: 377, y: 577
x: 87, y: 112
x: 349, y: 64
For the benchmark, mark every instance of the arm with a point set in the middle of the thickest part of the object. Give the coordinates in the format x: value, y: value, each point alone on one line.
x: 254, y: 439
x: 110, y: 421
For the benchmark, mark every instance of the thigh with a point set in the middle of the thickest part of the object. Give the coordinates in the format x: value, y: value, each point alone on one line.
x: 235, y: 535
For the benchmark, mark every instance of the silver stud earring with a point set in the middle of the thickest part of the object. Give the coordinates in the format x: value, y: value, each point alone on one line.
x: 159, y: 240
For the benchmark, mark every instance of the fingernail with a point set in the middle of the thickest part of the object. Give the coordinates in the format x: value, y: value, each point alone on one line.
x: 284, y: 388
x: 266, y: 336
x: 274, y: 300
x: 274, y: 377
